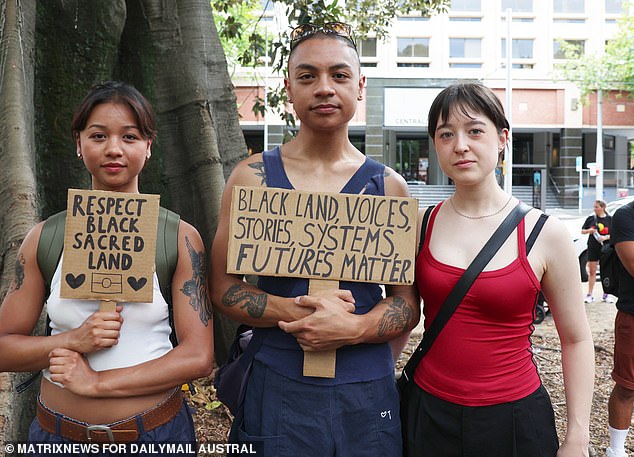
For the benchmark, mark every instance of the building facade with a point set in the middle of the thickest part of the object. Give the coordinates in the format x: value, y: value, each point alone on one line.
x: 551, y: 126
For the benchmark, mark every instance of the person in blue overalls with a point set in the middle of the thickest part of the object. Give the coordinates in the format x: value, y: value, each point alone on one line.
x: 356, y: 413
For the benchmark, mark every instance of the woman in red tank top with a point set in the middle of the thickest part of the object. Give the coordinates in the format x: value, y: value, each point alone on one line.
x: 477, y: 391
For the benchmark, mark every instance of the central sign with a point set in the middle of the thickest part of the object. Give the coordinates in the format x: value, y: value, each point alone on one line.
x: 345, y: 237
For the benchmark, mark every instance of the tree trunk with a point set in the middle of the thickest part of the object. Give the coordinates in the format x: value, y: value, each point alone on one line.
x: 51, y: 52
x: 17, y: 179
x: 77, y: 45
x: 184, y: 71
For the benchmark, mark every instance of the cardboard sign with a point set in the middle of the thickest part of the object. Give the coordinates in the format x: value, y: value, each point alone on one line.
x: 349, y: 237
x: 109, y: 246
x: 325, y: 237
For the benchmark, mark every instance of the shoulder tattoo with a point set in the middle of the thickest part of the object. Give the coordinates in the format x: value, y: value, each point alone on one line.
x: 254, y: 303
x: 18, y: 278
x: 259, y: 170
x: 196, y: 288
x: 397, y: 316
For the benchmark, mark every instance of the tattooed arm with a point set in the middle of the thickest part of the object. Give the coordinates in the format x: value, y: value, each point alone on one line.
x: 192, y: 358
x: 230, y: 294
x: 330, y: 327
x: 21, y: 309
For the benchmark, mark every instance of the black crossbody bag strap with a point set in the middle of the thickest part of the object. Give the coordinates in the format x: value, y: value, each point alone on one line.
x: 536, y: 229
x: 423, y: 229
x: 464, y: 284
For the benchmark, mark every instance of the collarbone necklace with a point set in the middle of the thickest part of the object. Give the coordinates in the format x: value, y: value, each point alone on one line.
x: 479, y: 217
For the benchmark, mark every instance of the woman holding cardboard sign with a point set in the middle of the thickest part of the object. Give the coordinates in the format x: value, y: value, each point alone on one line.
x: 290, y: 412
x: 111, y: 376
x: 477, y: 391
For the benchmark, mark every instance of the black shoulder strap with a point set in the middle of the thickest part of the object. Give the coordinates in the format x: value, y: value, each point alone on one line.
x: 464, y: 284
x: 423, y: 228
x: 530, y: 241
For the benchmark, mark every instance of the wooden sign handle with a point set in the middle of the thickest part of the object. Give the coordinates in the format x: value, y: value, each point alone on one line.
x: 320, y: 364
x: 107, y: 305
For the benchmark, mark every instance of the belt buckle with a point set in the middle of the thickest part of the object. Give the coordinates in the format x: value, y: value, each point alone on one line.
x: 99, y: 428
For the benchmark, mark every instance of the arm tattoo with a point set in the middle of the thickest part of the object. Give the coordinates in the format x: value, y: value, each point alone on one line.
x: 18, y: 279
x: 397, y: 316
x: 196, y: 288
x: 254, y: 303
x: 259, y: 167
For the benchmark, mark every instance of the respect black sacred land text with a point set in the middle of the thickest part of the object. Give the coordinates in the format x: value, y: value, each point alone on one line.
x: 111, y: 225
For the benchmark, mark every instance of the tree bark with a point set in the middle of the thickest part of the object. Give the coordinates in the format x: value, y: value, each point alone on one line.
x: 17, y: 179
x: 185, y: 72
x: 51, y: 53
x: 77, y: 46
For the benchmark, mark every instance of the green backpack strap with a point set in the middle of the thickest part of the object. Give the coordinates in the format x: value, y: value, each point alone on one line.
x: 50, y: 246
x: 166, y: 251
x: 49, y: 250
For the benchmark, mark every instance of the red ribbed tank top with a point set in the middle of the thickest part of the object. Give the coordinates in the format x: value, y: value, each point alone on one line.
x: 483, y: 355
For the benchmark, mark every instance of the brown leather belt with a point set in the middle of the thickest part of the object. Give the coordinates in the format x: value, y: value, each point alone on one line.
x: 125, y: 431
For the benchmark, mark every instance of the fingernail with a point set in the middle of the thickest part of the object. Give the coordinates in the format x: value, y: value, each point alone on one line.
x: 298, y: 299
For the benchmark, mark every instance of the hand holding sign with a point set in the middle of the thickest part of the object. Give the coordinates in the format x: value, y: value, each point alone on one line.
x: 100, y: 331
x: 330, y: 308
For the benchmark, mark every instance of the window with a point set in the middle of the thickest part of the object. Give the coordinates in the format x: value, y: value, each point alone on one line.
x: 412, y: 19
x: 569, y: 6
x: 367, y: 47
x: 465, y: 19
x: 518, y: 6
x: 569, y: 21
x: 465, y: 5
x: 465, y: 65
x: 413, y: 52
x: 558, y: 51
x: 367, y: 52
x: 465, y: 52
x: 465, y: 47
x: 413, y: 47
x: 521, y: 49
x: 614, y: 6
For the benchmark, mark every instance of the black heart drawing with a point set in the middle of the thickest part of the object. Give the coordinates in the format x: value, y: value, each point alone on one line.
x: 75, y: 282
x: 136, y: 284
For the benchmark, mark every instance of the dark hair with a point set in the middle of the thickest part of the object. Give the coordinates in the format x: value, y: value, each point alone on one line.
x: 466, y: 97
x: 116, y: 92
